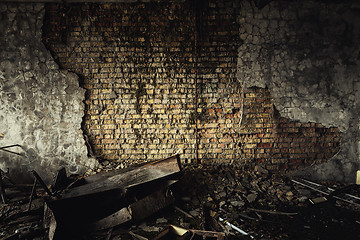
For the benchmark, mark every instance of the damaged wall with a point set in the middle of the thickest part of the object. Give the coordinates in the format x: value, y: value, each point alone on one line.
x: 41, y: 105
x: 137, y: 63
x: 223, y: 79
x: 307, y: 54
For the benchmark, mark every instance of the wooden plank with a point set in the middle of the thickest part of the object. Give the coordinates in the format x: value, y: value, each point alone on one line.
x: 143, y: 174
x: 2, y: 189
x: 117, y: 218
x: 49, y: 221
x: 33, y: 193
x: 105, y: 175
x: 138, y: 210
x: 43, y: 185
x: 107, y: 200
x: 151, y: 204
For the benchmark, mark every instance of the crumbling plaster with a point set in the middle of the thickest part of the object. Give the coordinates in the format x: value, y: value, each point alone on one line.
x: 41, y: 106
x: 307, y: 54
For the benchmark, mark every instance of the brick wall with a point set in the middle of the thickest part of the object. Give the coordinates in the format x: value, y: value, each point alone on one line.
x: 278, y: 142
x: 158, y: 73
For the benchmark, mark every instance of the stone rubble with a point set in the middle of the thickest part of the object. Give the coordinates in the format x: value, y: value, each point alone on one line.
x: 236, y: 194
x: 265, y: 205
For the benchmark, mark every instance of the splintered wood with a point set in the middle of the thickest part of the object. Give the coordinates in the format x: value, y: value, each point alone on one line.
x: 109, y: 199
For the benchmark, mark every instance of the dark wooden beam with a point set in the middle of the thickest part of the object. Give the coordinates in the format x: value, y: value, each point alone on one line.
x: 138, y: 210
x: 120, y: 179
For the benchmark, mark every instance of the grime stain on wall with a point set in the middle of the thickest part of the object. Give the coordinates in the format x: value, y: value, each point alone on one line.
x: 140, y: 69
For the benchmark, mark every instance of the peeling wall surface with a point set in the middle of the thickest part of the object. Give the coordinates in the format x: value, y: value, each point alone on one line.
x: 222, y: 81
x: 41, y: 106
x: 161, y: 83
x: 138, y: 65
x: 307, y: 54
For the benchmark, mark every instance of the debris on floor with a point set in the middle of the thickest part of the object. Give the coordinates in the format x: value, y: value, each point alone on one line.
x: 163, y: 200
x: 174, y: 232
x: 105, y: 200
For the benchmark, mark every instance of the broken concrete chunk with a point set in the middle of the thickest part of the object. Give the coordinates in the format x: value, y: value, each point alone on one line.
x: 239, y: 203
x: 251, y: 197
x: 161, y: 220
x: 260, y: 170
x: 195, y: 212
x: 222, y: 194
x: 147, y: 228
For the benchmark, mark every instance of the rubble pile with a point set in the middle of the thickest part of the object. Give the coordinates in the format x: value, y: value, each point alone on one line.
x: 268, y: 206
x: 19, y: 220
x: 204, y: 202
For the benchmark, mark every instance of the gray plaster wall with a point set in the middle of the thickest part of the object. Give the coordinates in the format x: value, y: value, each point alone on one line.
x: 307, y: 54
x: 41, y: 106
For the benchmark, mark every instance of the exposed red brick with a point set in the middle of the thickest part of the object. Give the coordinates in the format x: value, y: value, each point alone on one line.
x: 137, y: 63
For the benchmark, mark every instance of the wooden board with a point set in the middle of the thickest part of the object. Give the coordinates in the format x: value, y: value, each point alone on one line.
x: 126, y: 179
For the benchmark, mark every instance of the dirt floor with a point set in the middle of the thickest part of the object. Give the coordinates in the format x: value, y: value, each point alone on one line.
x: 264, y: 205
